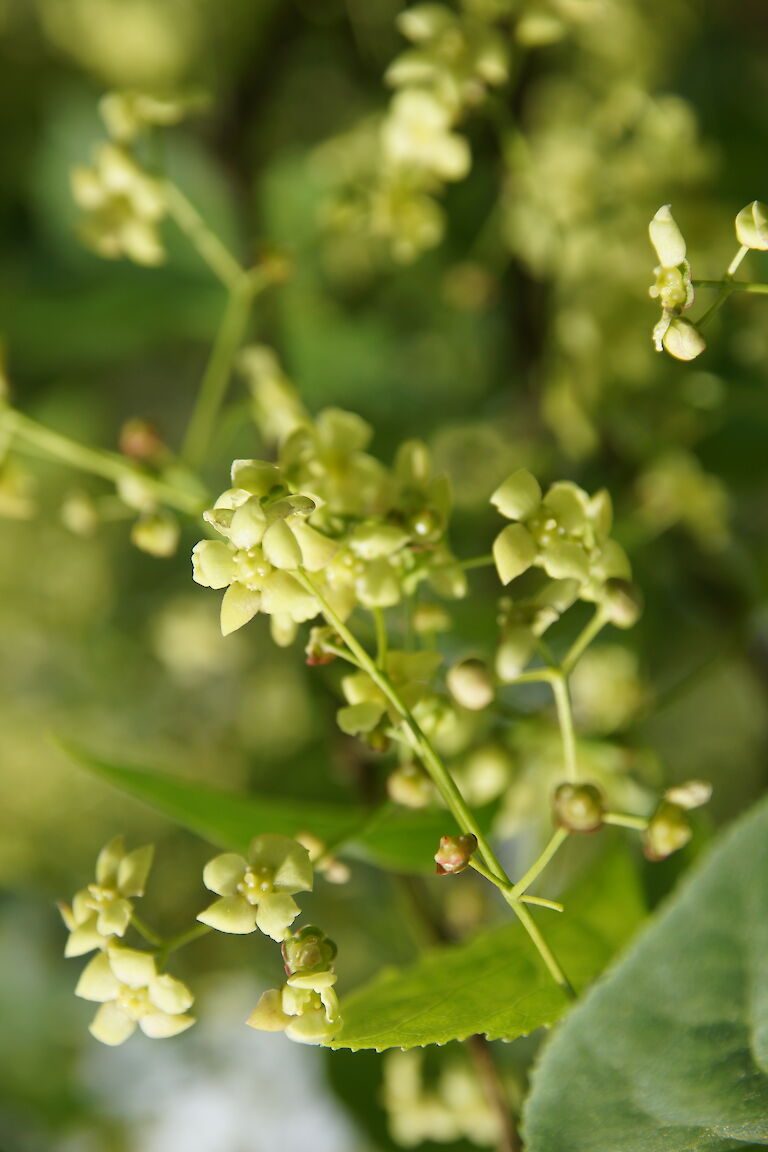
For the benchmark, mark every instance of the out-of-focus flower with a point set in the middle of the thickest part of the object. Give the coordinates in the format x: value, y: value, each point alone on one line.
x: 104, y: 908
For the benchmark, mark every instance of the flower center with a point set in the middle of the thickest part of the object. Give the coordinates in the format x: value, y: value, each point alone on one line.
x: 256, y: 882
x: 134, y: 1002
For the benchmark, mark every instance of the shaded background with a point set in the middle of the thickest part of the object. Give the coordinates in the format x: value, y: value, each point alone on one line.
x: 522, y: 340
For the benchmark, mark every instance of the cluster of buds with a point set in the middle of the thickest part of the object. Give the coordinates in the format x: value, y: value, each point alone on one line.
x: 125, y: 982
x: 566, y: 532
x: 306, y: 1007
x: 674, y: 289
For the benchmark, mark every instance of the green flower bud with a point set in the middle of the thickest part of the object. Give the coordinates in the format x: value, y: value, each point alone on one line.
x: 752, y: 226
x: 454, y: 853
x: 514, y: 550
x: 667, y: 238
x: 425, y: 525
x: 518, y: 496
x: 410, y: 786
x: 308, y: 950
x: 514, y: 652
x: 316, y: 650
x: 621, y: 602
x: 667, y: 832
x: 471, y: 684
x: 156, y: 533
x: 578, y: 807
x: 682, y: 340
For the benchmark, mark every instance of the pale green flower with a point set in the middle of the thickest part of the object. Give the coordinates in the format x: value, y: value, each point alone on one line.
x: 565, y: 532
x: 126, y: 984
x: 104, y: 908
x: 122, y: 206
x: 752, y: 226
x: 257, y: 891
x: 417, y: 136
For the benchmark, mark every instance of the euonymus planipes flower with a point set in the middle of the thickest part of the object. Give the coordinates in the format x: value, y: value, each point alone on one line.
x: 257, y: 890
x: 306, y: 1008
x: 122, y: 206
x: 104, y: 909
x: 131, y: 992
x: 417, y: 136
x: 752, y: 226
x: 673, y: 288
x: 367, y: 706
x: 565, y: 532
x: 267, y: 536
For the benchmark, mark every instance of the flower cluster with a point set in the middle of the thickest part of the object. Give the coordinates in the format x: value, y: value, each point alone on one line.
x: 566, y: 532
x: 674, y: 289
x: 453, y: 60
x: 122, y: 204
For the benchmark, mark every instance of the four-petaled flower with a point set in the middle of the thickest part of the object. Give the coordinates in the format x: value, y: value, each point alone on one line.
x: 104, y: 909
x: 131, y: 992
x: 257, y: 891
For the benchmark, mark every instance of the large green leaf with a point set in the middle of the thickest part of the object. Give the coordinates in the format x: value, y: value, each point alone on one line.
x: 670, y: 1052
x: 496, y: 984
x: 397, y: 839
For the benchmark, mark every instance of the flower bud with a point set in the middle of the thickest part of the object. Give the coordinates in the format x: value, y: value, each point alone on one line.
x: 156, y: 533
x: 667, y: 238
x: 140, y: 440
x: 454, y: 853
x: 514, y: 652
x: 667, y: 832
x: 752, y: 226
x: 308, y: 950
x: 429, y: 618
x: 578, y: 807
x: 409, y: 785
x: 682, y: 340
x: 471, y: 684
x: 691, y: 794
x: 621, y: 603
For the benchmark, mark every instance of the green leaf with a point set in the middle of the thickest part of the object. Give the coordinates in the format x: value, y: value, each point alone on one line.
x: 496, y: 984
x: 395, y: 838
x: 670, y: 1052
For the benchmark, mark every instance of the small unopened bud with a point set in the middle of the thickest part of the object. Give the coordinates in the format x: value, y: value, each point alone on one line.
x: 454, y: 853
x: 471, y: 684
x: 316, y: 650
x: 667, y: 832
x: 428, y: 618
x: 667, y: 238
x: 410, y: 786
x: 141, y: 441
x: 682, y: 340
x: 691, y: 794
x: 578, y: 807
x: 621, y: 602
x: 426, y: 524
x: 156, y: 533
x: 752, y: 226
x: 308, y: 950
x: 514, y: 652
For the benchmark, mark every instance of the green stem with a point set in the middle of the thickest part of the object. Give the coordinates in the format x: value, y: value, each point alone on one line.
x: 565, y: 718
x: 726, y: 287
x: 381, y: 636
x: 583, y: 640
x: 215, y: 254
x: 108, y: 465
x: 432, y: 761
x: 144, y: 930
x: 731, y: 269
x: 182, y: 939
x: 218, y: 370
x: 756, y: 287
x: 557, y: 840
x: 544, y: 950
x: 623, y: 820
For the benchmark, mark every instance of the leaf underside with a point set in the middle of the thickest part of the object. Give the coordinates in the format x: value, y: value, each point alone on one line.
x: 670, y: 1052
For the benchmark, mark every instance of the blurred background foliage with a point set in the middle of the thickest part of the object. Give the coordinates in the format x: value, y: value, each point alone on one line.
x: 519, y: 338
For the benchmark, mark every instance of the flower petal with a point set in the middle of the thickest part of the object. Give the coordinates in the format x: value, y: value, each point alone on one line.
x: 222, y: 874
x: 84, y: 938
x: 275, y: 914
x: 133, y: 870
x: 97, y: 981
x: 230, y: 914
x: 159, y: 1025
x: 108, y: 861
x: 111, y: 1025
x: 170, y: 995
x: 134, y: 968
x: 239, y: 606
x: 268, y: 1014
x: 284, y: 856
x: 312, y: 1028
